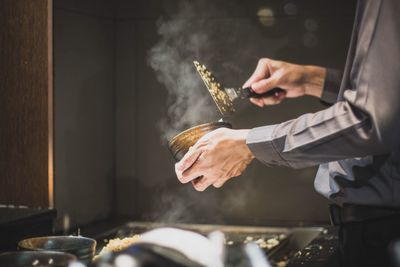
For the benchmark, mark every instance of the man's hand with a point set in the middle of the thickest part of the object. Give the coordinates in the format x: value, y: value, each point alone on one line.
x: 296, y: 80
x: 215, y: 158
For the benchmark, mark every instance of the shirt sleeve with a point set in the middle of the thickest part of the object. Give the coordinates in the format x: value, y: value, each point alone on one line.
x: 331, y: 87
x: 338, y: 132
x: 366, y: 118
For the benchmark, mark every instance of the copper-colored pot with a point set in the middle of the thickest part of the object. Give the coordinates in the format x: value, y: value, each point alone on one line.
x: 181, y: 143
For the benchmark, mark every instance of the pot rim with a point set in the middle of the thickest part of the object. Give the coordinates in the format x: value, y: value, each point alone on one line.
x: 219, y: 123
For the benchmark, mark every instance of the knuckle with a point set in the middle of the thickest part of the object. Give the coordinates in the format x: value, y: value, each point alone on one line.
x: 262, y: 61
x: 182, y: 178
x: 206, y: 164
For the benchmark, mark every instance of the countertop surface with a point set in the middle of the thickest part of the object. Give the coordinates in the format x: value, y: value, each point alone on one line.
x: 11, y: 215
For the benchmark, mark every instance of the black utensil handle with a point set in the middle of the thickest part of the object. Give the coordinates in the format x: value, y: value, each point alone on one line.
x: 248, y: 92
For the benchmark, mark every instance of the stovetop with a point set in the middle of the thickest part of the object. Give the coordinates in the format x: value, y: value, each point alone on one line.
x: 292, y: 247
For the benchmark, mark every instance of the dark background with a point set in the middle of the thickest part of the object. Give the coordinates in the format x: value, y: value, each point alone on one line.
x: 109, y: 157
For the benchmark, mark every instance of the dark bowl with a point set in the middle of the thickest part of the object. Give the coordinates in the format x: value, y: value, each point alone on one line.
x: 36, y: 258
x: 181, y: 143
x: 82, y: 247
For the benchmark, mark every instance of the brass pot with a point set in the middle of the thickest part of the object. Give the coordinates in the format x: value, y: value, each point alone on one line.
x: 181, y: 143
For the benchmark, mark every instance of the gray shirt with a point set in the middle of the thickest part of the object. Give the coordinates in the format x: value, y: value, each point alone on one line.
x: 356, y: 141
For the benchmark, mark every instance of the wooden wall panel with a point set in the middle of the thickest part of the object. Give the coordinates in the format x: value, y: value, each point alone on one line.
x: 26, y: 112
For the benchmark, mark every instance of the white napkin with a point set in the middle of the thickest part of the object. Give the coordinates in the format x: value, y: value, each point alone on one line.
x: 194, y: 246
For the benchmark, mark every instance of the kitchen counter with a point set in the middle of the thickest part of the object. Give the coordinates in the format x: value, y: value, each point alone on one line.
x: 297, y: 246
x: 17, y: 223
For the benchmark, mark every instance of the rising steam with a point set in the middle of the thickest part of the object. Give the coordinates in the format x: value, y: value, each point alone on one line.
x: 209, y: 32
x: 181, y: 39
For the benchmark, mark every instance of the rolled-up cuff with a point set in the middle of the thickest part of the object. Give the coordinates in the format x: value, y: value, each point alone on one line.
x: 331, y: 88
x: 260, y: 142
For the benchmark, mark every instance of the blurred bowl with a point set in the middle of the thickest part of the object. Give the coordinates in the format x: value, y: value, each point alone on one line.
x: 181, y: 143
x: 82, y: 247
x: 36, y: 258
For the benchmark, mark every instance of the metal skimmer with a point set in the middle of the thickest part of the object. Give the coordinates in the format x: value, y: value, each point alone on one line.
x: 220, y: 97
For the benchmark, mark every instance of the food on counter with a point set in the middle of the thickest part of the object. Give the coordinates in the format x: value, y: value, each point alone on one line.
x: 118, y: 244
x: 281, y: 264
x: 249, y: 239
x: 268, y: 244
x: 264, y: 242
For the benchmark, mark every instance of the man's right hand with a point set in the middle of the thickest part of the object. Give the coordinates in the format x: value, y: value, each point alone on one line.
x: 296, y: 80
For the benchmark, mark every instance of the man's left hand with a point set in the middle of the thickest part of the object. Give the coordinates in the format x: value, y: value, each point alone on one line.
x: 215, y: 158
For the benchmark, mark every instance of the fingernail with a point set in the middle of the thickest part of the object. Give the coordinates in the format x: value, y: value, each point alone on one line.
x: 200, y: 189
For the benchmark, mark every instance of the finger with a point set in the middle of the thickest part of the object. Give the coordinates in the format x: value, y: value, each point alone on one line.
x: 274, y: 100
x: 187, y: 161
x: 264, y: 85
x: 281, y: 95
x: 195, y: 171
x: 257, y: 101
x: 196, y: 181
x: 260, y: 72
x: 294, y: 93
x: 270, y: 101
x: 179, y: 174
x: 219, y: 183
x: 202, y: 184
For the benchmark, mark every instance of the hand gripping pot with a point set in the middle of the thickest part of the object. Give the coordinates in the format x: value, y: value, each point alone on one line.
x: 179, y: 145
